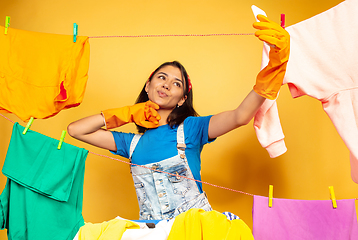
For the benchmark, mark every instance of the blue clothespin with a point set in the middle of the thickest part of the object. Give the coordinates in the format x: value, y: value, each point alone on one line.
x: 7, y: 23
x: 61, y: 139
x: 28, y: 125
x: 75, y: 30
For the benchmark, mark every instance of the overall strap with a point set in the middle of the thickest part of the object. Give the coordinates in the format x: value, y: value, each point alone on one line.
x: 181, y: 141
x: 134, y: 142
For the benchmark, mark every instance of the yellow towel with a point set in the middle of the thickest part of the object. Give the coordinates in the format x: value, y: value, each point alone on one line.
x: 111, y: 230
x: 41, y: 73
x: 198, y: 224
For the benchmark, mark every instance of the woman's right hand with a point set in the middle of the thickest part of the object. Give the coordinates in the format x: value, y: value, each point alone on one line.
x: 90, y: 129
x: 144, y: 114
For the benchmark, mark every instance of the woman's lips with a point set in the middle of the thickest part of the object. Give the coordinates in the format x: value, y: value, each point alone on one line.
x: 162, y: 94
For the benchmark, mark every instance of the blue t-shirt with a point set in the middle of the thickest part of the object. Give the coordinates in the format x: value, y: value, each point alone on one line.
x: 161, y: 143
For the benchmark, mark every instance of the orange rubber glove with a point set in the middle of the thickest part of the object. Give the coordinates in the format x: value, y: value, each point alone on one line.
x: 143, y: 114
x: 269, y: 79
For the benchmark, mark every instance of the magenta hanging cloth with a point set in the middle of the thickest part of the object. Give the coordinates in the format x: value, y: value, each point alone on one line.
x: 289, y: 219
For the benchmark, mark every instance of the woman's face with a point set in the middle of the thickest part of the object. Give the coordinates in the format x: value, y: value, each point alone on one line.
x: 166, y: 88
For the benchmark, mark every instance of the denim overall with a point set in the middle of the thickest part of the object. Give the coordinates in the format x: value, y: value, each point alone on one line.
x: 164, y: 196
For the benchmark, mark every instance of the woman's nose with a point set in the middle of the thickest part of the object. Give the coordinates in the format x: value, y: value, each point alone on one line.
x: 166, y: 85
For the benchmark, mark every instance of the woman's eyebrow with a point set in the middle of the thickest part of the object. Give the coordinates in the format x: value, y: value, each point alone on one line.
x: 175, y: 78
x: 163, y: 73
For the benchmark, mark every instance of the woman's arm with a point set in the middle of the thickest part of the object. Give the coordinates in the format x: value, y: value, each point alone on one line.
x: 90, y: 130
x: 268, y: 81
x: 226, y: 121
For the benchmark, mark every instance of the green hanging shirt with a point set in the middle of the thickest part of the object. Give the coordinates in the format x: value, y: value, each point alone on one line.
x: 43, y: 195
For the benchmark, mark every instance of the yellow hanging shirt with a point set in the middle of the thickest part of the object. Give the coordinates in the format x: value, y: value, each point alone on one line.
x: 41, y: 73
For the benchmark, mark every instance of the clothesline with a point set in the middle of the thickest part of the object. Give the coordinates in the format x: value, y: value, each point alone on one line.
x: 119, y: 160
x: 192, y: 179
x: 175, y: 35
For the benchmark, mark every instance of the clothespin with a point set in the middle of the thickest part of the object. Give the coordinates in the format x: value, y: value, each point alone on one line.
x: 28, y: 125
x: 61, y: 139
x: 333, y: 196
x: 270, y: 195
x: 283, y: 20
x: 7, y: 23
x: 75, y: 30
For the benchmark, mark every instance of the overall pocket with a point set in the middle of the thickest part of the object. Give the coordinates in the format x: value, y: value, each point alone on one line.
x: 141, y: 194
x: 178, y: 179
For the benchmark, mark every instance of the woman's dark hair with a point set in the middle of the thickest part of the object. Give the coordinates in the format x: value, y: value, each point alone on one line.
x: 179, y: 114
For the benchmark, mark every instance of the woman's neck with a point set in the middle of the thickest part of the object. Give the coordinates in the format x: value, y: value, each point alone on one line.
x: 164, y: 113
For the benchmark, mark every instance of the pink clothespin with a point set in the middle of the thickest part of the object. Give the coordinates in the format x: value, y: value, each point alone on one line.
x: 283, y: 20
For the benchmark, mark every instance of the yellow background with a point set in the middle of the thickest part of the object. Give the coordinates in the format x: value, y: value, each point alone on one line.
x: 223, y: 71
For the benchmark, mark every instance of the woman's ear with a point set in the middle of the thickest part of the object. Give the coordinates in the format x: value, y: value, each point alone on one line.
x: 147, y: 86
x: 182, y: 101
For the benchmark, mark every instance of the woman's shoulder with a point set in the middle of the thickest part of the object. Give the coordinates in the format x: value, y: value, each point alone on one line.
x: 196, y: 129
x: 197, y: 120
x: 123, y: 135
x: 197, y: 124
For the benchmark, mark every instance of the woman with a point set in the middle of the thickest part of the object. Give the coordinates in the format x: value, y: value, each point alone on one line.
x: 172, y: 135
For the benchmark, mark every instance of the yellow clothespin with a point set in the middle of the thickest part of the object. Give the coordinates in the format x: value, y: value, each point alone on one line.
x: 28, y: 125
x: 7, y: 23
x: 61, y: 139
x: 333, y: 196
x: 75, y: 30
x: 270, y: 195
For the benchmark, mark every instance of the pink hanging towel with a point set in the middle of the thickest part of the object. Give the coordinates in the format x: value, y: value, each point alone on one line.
x: 289, y: 219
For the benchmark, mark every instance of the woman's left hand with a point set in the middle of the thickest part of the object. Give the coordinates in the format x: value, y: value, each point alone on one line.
x: 272, y: 33
x: 269, y: 80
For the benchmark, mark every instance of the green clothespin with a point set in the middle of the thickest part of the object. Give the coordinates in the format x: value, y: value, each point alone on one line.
x: 7, y: 23
x: 61, y: 139
x: 75, y: 30
x: 28, y: 125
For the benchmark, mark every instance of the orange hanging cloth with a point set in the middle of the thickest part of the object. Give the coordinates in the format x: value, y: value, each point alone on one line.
x: 41, y: 73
